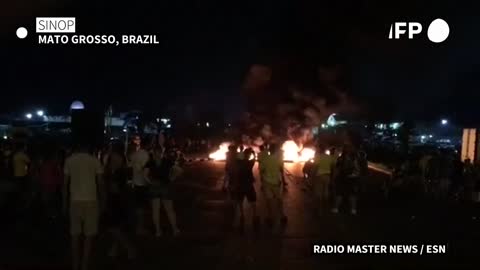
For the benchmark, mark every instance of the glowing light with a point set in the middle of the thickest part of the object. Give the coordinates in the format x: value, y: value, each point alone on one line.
x: 221, y: 153
x: 207, y: 124
x: 77, y: 105
x: 331, y: 121
x: 40, y: 113
x: 327, y: 152
x: 395, y: 125
x: 28, y: 116
x: 444, y: 122
x: 5, y: 137
x: 292, y: 152
x: 306, y: 154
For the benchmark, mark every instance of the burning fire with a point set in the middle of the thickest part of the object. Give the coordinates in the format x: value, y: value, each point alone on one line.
x: 221, y: 153
x: 291, y: 152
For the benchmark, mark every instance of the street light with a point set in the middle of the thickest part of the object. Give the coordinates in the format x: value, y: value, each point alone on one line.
x: 40, y: 113
x: 444, y: 122
x: 28, y: 116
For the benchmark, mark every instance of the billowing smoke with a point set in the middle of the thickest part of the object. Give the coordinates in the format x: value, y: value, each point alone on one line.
x: 282, y: 107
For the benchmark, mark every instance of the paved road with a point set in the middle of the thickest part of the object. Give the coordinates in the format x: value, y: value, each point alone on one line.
x: 207, y: 241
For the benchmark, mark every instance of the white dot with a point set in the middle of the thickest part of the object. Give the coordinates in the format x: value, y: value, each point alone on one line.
x: 438, y: 31
x: 22, y: 32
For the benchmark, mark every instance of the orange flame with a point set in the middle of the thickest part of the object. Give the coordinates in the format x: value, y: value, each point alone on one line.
x: 291, y: 152
x: 294, y: 153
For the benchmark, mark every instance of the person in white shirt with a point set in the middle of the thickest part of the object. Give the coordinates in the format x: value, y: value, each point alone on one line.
x: 138, y: 162
x: 84, y: 188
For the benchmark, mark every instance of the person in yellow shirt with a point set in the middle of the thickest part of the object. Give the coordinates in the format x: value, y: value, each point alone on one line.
x: 20, y: 166
x: 322, y: 172
x: 21, y: 162
x: 273, y: 179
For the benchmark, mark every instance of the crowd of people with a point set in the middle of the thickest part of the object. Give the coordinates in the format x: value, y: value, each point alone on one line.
x: 329, y: 172
x: 111, y: 189
x: 116, y: 187
x: 436, y: 175
x: 239, y: 182
x: 334, y: 176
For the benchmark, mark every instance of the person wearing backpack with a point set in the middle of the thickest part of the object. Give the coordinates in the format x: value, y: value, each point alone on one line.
x: 162, y: 170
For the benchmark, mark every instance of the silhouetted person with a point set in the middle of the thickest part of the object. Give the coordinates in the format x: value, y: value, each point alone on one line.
x: 457, y: 178
x: 242, y: 187
x: 321, y: 174
x: 348, y: 172
x: 162, y: 171
x: 50, y: 179
x: 117, y: 201
x: 138, y: 161
x: 230, y: 165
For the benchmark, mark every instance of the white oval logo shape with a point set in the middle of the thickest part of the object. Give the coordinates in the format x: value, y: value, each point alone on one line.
x: 438, y: 31
x: 22, y: 32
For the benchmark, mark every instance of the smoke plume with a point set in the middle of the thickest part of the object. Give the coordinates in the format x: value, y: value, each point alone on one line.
x: 282, y: 106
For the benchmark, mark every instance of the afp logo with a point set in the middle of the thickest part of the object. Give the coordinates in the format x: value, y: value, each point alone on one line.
x: 437, y: 32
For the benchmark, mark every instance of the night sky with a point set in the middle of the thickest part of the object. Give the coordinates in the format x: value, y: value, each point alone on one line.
x: 206, y: 48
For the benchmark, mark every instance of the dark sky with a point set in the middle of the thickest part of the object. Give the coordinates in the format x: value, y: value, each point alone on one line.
x: 207, y: 46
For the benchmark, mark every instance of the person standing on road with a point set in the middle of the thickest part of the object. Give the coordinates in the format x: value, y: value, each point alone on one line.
x: 138, y: 161
x: 273, y: 179
x: 469, y: 175
x: 117, y: 201
x: 323, y: 165
x: 162, y: 171
x: 347, y: 179
x: 243, y: 187
x: 21, y: 164
x: 85, y: 189
x: 261, y: 160
x: 50, y: 178
x: 445, y: 172
x: 230, y: 165
x: 457, y: 178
